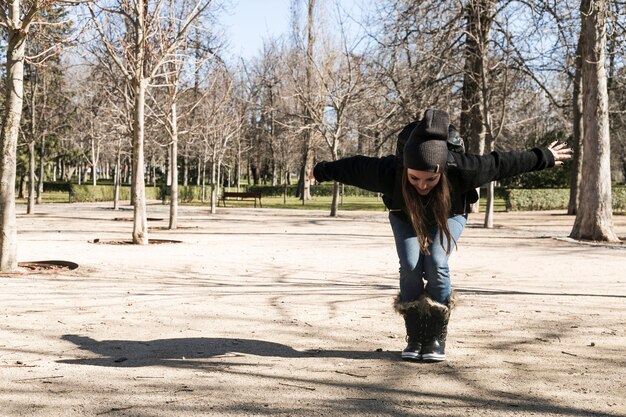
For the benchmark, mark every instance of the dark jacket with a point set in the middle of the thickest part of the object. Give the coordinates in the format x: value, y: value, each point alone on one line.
x: 465, y: 173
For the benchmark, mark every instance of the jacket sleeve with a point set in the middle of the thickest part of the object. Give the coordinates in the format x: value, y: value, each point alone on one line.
x: 372, y: 174
x: 477, y: 170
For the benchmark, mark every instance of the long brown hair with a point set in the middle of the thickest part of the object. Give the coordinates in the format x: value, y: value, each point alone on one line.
x: 423, y: 210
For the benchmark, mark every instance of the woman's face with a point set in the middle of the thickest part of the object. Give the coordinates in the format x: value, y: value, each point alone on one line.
x: 423, y: 181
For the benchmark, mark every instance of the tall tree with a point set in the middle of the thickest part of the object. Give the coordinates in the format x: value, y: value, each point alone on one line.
x: 224, y: 118
x: 478, y: 21
x: 341, y: 86
x: 140, y: 60
x: 414, y: 67
x: 306, y: 96
x: 15, y: 21
x: 594, y: 217
x: 577, y: 133
x: 172, y: 84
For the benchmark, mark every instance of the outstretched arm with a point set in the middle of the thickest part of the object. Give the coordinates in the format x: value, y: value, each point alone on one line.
x: 372, y: 174
x: 560, y: 152
x: 477, y: 170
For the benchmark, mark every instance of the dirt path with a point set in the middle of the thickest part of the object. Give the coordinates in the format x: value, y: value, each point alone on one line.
x: 284, y: 313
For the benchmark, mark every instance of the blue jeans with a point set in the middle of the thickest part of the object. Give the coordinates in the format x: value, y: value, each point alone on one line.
x: 416, y: 267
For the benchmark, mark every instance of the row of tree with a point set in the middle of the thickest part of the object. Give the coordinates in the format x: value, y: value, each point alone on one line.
x: 142, y: 88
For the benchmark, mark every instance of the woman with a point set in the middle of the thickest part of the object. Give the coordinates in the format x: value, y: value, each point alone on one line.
x: 428, y: 191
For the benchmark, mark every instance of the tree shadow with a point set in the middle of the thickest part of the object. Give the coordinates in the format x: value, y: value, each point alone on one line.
x: 189, y: 352
x: 374, y: 398
x: 480, y: 291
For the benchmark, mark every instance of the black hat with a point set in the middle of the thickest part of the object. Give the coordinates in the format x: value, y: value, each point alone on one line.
x: 427, y: 147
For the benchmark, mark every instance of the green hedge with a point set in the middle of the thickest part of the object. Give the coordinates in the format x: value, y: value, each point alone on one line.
x: 618, y: 197
x: 537, y: 199
x: 194, y: 193
x: 186, y: 193
x: 553, y: 199
x: 49, y: 186
x: 189, y: 193
x: 89, y: 193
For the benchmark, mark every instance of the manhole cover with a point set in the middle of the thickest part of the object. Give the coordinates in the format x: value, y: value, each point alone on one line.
x: 177, y: 228
x: 130, y: 242
x: 41, y: 267
x: 130, y: 219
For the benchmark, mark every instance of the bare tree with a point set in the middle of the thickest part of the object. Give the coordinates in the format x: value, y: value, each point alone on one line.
x: 304, y: 83
x: 223, y: 120
x: 577, y: 133
x: 479, y: 19
x: 15, y: 21
x: 341, y: 86
x: 171, y: 80
x: 594, y: 216
x: 414, y: 67
x: 274, y: 97
x: 140, y: 61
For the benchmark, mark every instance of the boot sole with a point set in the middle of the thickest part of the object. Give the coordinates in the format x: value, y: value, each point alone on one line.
x: 433, y: 357
x: 411, y: 356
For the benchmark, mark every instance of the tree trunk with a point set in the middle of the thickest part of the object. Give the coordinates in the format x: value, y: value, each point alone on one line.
x: 22, y: 191
x: 238, y: 166
x: 594, y: 217
x: 202, y: 177
x: 199, y: 173
x: 117, y: 178
x: 334, y: 205
x: 218, y: 183
x: 213, y: 180
x: 577, y: 116
x: 478, y: 17
x: 140, y: 221
x: 30, y: 209
x: 174, y: 170
x: 41, y: 170
x: 490, y: 145
x: 14, y: 94
x: 305, y: 183
x: 489, y: 207
x: 94, y: 163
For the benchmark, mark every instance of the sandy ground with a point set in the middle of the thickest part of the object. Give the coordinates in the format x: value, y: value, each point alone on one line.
x: 262, y: 312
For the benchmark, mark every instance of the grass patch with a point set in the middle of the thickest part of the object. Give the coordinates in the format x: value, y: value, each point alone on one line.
x: 350, y: 203
x: 49, y: 197
x: 499, y: 204
x: 316, y: 203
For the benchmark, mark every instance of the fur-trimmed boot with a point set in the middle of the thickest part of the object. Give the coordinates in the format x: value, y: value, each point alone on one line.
x: 436, y: 316
x: 415, y: 327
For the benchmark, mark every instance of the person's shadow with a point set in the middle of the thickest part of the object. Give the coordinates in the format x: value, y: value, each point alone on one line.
x: 186, y: 352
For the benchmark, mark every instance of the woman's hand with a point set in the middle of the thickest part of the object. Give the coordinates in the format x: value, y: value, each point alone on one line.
x: 560, y: 152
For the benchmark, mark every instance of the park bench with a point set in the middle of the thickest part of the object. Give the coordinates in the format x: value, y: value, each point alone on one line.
x: 227, y: 195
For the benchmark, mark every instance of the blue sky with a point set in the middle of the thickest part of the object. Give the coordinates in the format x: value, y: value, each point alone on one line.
x: 251, y: 21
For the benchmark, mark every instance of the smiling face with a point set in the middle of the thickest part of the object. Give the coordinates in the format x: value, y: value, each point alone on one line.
x: 423, y: 181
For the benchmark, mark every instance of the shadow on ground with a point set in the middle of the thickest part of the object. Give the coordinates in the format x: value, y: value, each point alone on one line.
x: 185, y: 352
x: 367, y: 397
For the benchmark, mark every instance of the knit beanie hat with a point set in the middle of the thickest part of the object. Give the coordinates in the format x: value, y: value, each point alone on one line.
x: 427, y: 147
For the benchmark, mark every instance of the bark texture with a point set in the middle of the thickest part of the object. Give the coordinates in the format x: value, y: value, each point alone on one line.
x: 594, y: 217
